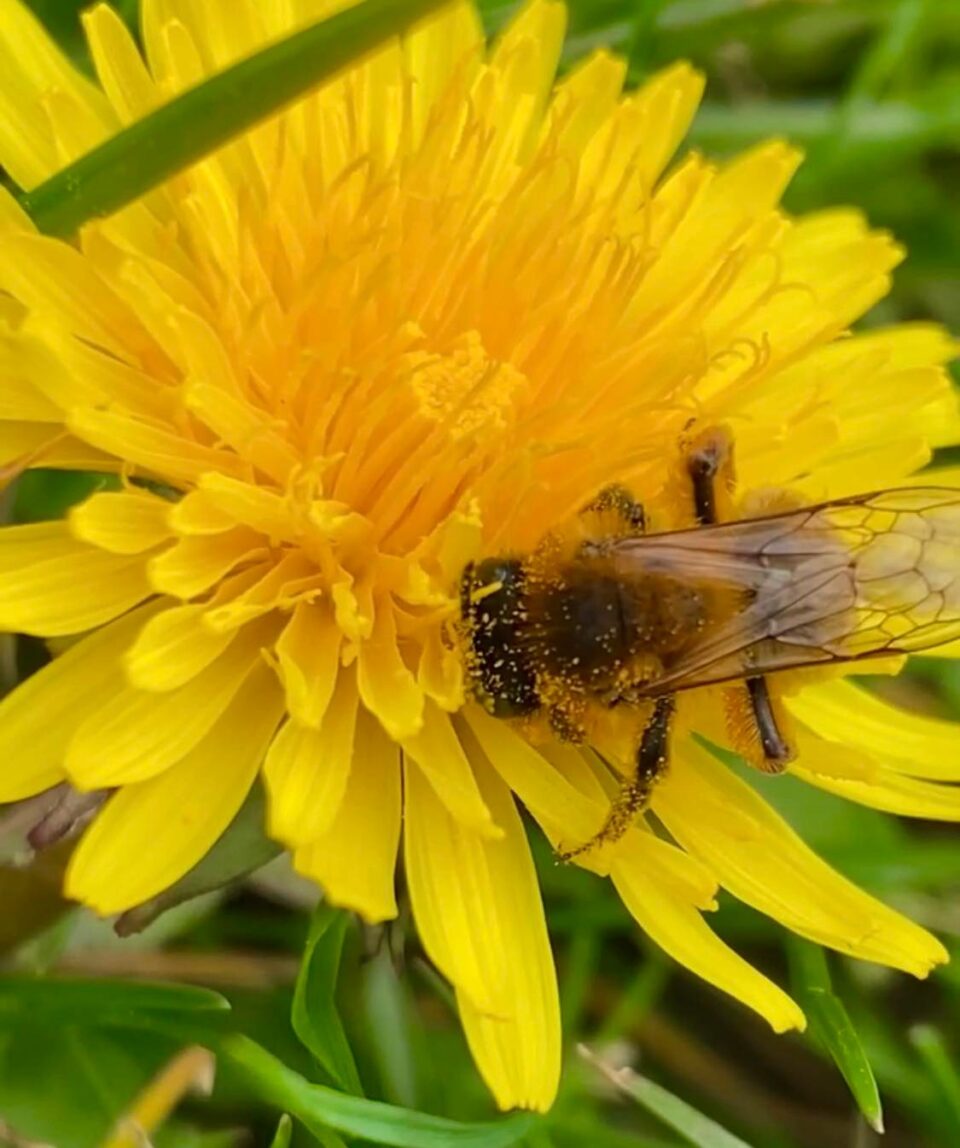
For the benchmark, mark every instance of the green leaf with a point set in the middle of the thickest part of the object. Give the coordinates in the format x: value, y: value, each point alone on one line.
x: 96, y: 1002
x: 281, y: 1138
x: 43, y: 494
x: 314, y: 1016
x: 209, y: 115
x: 692, y: 1125
x: 319, y: 1108
x: 831, y: 1025
x: 391, y: 1023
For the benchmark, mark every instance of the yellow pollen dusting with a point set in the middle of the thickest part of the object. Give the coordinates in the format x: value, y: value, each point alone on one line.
x: 465, y: 388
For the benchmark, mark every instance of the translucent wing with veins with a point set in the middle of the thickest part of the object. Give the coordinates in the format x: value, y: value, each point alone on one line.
x: 862, y: 577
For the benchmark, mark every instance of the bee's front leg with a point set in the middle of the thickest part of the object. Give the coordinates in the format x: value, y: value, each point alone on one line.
x: 650, y: 764
x: 709, y: 459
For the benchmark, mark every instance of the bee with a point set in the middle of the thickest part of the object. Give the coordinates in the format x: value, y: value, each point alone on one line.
x: 629, y: 617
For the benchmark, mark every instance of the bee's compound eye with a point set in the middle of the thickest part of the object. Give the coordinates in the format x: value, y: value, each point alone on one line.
x: 492, y: 605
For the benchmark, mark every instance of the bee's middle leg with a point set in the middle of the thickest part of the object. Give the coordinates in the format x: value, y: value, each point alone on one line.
x: 650, y: 763
x: 710, y: 466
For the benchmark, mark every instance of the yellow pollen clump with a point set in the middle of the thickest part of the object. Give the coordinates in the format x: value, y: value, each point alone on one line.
x: 465, y: 388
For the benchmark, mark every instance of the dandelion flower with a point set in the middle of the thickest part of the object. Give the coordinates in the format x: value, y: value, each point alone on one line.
x: 418, y: 319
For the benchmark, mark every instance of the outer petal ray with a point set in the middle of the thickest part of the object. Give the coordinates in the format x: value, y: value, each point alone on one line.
x: 38, y: 718
x: 678, y: 928
x: 154, y: 831
x: 354, y: 860
x: 909, y: 743
x: 760, y: 859
x: 133, y: 735
x: 51, y: 584
x: 478, y: 911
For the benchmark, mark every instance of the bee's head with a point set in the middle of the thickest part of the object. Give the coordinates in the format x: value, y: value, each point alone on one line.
x: 494, y: 613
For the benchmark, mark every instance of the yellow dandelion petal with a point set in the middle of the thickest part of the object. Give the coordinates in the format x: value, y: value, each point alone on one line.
x: 891, y: 792
x: 125, y: 80
x: 308, y: 654
x: 354, y: 859
x: 912, y: 744
x: 52, y: 584
x: 172, y: 648
x: 38, y: 718
x: 764, y: 863
x: 195, y: 564
x: 438, y: 752
x: 307, y: 769
x: 679, y: 929
x: 478, y: 911
x: 547, y: 794
x: 387, y: 685
x: 131, y: 734
x: 404, y: 332
x: 181, y: 812
x: 130, y: 522
x: 33, y: 67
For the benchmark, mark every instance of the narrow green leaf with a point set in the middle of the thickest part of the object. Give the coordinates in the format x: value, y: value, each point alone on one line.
x: 677, y: 1114
x: 392, y: 1027
x: 80, y: 1001
x: 830, y: 1023
x: 896, y: 40
x: 941, y: 1069
x: 281, y: 1138
x: 209, y: 115
x: 314, y: 1016
x: 319, y: 1108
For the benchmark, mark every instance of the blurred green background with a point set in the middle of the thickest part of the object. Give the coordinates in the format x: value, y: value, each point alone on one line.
x: 871, y: 90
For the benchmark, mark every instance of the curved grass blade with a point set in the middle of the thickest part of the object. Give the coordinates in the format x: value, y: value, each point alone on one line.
x: 677, y: 1114
x: 281, y: 1138
x: 194, y: 124
x: 315, y: 1017
x: 831, y: 1025
x: 319, y: 1108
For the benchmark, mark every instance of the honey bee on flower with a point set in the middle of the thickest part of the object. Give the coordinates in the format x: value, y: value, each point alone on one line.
x: 393, y: 393
x: 624, y: 617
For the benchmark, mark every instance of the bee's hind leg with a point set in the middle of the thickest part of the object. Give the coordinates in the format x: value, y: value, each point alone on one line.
x: 709, y: 460
x: 650, y: 765
x: 776, y: 752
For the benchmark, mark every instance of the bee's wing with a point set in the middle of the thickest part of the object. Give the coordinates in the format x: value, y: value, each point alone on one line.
x: 863, y: 577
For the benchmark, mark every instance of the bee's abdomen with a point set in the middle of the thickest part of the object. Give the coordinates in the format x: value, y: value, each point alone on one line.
x: 581, y: 629
x: 496, y: 624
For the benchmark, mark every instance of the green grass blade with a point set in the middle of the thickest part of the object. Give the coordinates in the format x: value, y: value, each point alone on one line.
x: 204, y: 118
x: 319, y: 1108
x: 941, y: 1069
x: 314, y: 1016
x: 830, y: 1023
x: 77, y: 1001
x: 683, y: 1118
x: 281, y: 1138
